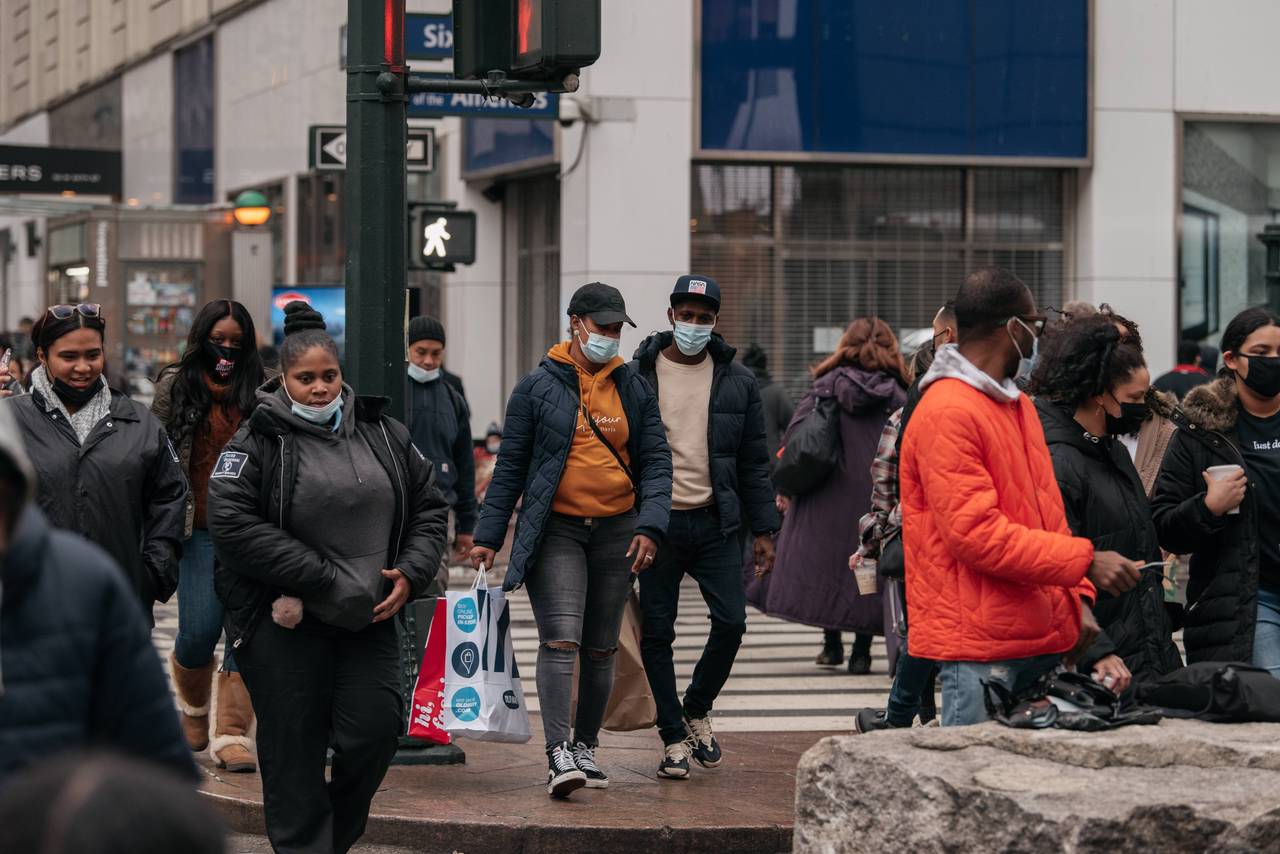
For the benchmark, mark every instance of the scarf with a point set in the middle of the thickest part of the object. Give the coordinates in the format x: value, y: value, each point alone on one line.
x: 83, y: 422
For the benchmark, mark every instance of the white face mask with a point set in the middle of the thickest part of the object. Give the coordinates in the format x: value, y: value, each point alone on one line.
x: 422, y: 375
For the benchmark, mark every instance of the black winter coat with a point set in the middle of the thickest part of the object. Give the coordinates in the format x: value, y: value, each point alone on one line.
x: 537, y: 436
x: 76, y: 659
x: 737, y: 443
x: 440, y: 424
x: 124, y: 489
x: 1105, y: 503
x: 257, y: 559
x: 1222, y: 594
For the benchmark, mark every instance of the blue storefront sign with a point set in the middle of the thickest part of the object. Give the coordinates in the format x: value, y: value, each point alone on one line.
x: 428, y: 36
x: 422, y: 105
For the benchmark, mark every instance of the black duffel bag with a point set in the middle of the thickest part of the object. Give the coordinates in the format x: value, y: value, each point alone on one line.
x: 1225, y: 692
x: 812, y: 450
x: 893, y: 560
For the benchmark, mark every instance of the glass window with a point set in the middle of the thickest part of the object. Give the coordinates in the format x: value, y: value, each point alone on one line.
x: 1230, y: 192
x: 506, y: 143
x: 800, y: 251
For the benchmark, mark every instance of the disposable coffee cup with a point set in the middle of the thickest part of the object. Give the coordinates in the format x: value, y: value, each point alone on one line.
x: 866, y: 575
x: 1221, y: 472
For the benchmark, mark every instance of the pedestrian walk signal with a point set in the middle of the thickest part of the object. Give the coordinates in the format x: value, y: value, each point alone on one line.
x: 540, y: 40
x: 441, y: 237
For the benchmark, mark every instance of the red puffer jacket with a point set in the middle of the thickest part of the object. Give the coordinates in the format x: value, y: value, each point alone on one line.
x: 993, y: 572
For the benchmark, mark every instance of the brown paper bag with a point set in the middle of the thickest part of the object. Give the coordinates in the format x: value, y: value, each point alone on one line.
x: 631, y: 705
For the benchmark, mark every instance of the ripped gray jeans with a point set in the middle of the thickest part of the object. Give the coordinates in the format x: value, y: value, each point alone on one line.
x: 578, y: 588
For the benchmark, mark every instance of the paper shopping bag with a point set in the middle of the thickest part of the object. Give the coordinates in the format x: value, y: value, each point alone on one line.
x: 483, y: 699
x: 427, y: 721
x: 631, y: 706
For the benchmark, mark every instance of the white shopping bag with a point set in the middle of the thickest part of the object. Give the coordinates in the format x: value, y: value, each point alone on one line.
x: 483, y: 699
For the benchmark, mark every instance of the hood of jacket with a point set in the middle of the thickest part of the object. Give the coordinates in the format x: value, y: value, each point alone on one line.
x: 1061, y: 428
x: 647, y: 353
x: 1213, y: 406
x: 857, y: 389
x: 1162, y: 403
x: 950, y: 364
x: 274, y: 416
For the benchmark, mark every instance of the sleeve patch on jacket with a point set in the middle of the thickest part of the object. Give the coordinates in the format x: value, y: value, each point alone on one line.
x: 229, y: 464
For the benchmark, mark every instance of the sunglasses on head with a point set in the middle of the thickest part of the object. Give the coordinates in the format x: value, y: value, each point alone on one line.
x: 66, y: 312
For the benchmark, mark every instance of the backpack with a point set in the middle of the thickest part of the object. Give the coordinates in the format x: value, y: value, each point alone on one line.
x: 812, y: 450
x: 1224, y: 692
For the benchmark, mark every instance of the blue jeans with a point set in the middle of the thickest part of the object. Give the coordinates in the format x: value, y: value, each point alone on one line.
x: 199, y: 611
x: 963, y: 700
x: 694, y: 545
x: 1266, y: 633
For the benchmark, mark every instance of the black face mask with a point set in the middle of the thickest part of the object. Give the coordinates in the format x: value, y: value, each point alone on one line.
x: 1264, y: 375
x: 72, y: 396
x: 220, y: 360
x: 1132, y: 417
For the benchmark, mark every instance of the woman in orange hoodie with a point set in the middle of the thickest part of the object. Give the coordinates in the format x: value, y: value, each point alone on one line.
x: 584, y: 447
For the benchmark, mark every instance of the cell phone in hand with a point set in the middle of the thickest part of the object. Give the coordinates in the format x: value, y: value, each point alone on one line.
x: 6, y: 359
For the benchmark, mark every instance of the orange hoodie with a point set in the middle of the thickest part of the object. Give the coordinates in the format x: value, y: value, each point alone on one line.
x: 593, y: 485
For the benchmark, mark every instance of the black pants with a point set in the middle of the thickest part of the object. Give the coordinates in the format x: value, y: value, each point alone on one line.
x: 694, y: 546
x: 314, y: 687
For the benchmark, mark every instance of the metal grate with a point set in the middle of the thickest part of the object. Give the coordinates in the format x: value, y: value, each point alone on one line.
x: 800, y: 251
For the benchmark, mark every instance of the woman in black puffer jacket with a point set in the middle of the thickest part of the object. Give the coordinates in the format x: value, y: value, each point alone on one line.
x: 325, y: 521
x: 1091, y: 386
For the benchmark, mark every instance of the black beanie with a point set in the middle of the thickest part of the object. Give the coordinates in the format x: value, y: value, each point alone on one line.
x: 429, y: 328
x: 299, y: 316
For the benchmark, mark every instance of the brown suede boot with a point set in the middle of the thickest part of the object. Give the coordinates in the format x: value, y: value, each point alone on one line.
x: 192, y: 687
x: 232, y: 747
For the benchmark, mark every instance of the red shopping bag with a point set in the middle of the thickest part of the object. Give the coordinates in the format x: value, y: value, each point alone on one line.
x: 427, y: 722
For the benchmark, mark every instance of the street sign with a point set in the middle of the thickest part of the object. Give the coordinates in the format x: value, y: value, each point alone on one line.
x: 36, y: 169
x: 428, y: 36
x: 546, y: 105
x: 328, y: 149
x: 440, y: 236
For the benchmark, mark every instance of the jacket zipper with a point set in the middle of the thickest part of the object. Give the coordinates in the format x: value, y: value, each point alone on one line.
x: 240, y: 640
x: 404, y: 495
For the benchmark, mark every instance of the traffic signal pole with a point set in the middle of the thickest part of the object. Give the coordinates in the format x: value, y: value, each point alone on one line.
x: 376, y: 212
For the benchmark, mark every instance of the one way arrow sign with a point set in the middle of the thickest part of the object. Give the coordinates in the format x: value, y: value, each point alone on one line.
x: 328, y: 149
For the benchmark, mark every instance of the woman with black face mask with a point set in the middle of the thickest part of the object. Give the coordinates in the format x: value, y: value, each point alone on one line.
x: 104, y: 465
x: 202, y: 401
x: 1090, y: 387
x: 1218, y: 498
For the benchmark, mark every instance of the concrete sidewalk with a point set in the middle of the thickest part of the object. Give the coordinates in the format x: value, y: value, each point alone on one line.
x: 497, y: 801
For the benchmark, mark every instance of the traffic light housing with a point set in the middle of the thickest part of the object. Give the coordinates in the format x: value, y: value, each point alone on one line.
x: 541, y: 40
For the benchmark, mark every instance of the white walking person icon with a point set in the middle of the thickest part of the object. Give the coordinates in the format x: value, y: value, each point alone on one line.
x: 435, y: 235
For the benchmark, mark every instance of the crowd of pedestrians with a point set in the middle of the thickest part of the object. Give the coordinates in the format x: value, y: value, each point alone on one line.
x: 1030, y: 499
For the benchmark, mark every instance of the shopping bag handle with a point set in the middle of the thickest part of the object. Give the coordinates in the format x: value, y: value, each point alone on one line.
x: 482, y: 580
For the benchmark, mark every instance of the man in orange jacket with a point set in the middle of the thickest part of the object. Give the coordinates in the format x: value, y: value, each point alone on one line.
x: 998, y: 588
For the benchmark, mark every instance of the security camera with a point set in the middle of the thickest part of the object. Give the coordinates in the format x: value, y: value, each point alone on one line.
x: 570, y: 111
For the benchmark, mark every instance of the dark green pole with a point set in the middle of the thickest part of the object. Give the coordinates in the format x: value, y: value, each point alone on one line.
x: 377, y: 230
x: 377, y: 261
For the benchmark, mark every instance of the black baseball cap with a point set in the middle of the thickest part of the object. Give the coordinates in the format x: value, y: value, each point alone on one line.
x: 600, y: 302
x: 696, y: 287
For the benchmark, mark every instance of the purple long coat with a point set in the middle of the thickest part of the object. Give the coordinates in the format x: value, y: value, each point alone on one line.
x: 811, y: 582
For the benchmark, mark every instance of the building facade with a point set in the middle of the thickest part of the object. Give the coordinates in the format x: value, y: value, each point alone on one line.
x: 821, y: 159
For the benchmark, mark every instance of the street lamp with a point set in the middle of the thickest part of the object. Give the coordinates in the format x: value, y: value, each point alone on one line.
x: 252, y: 208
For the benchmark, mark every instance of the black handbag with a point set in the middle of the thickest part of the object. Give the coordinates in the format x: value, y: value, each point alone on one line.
x: 893, y: 560
x: 1216, y: 691
x: 812, y: 450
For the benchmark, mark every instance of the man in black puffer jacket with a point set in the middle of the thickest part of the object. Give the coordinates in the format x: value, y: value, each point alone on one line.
x: 720, y: 461
x: 76, y: 662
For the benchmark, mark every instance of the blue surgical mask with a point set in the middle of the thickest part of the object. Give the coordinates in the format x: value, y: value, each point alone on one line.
x: 1026, y: 364
x: 320, y: 414
x: 599, y: 348
x: 692, y: 338
x: 422, y: 375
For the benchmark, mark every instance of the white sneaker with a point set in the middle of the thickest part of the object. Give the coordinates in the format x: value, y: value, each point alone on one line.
x: 563, y: 775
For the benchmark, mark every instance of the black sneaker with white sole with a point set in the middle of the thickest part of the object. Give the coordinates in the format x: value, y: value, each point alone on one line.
x: 675, y: 760
x: 585, y: 758
x: 563, y: 774
x: 706, y: 750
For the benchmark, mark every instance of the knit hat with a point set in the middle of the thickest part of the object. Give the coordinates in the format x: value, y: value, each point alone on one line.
x: 428, y: 328
x: 299, y: 316
x: 494, y: 430
x: 755, y: 358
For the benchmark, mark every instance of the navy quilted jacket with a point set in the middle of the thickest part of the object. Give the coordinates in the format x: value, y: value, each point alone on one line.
x: 536, y: 437
x: 76, y: 662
